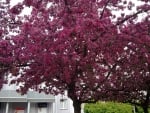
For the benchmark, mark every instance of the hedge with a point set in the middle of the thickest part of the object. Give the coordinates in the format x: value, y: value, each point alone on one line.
x: 109, y: 107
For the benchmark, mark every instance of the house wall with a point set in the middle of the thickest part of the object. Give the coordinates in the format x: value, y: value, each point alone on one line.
x: 65, y: 106
x: 23, y: 105
x: 33, y: 108
x: 55, y: 105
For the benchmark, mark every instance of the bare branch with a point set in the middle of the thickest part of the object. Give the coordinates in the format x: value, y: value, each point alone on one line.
x: 131, y: 16
x: 102, y: 13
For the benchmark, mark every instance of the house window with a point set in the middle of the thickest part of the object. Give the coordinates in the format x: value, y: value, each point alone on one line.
x: 63, y: 102
x: 19, y: 110
x: 42, y: 107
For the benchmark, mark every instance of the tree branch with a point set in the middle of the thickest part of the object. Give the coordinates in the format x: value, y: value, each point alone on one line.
x: 131, y: 16
x: 102, y: 13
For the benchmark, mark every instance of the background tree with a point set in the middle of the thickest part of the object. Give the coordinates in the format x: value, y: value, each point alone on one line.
x: 132, y: 85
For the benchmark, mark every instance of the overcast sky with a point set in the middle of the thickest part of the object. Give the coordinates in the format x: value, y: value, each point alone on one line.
x: 14, y: 2
x: 27, y: 10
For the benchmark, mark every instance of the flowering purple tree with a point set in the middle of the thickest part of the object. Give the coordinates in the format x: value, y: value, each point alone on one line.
x: 81, y: 46
x: 8, y: 23
x: 132, y: 81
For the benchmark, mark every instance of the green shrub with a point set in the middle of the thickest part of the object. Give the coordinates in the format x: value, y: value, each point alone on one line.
x: 109, y: 107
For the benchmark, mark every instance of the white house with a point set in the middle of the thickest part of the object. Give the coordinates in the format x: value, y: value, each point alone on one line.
x: 33, y: 102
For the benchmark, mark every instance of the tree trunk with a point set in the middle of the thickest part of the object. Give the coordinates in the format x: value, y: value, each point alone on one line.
x: 146, y: 103
x: 77, y: 106
x: 145, y: 109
